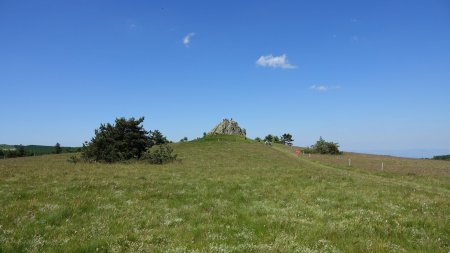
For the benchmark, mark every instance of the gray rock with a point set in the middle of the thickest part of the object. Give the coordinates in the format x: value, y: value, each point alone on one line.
x: 230, y: 127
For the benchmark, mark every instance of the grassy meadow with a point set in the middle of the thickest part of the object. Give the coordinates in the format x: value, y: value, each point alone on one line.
x: 225, y: 194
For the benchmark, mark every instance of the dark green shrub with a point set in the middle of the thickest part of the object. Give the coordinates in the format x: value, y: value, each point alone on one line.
x: 324, y: 147
x: 57, y: 148
x: 286, y: 139
x: 73, y: 159
x: 160, y: 155
x: 124, y: 140
x: 309, y: 151
x: 276, y: 139
x: 157, y: 138
x: 268, y: 138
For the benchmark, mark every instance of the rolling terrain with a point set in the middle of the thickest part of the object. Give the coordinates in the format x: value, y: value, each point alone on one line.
x: 226, y: 194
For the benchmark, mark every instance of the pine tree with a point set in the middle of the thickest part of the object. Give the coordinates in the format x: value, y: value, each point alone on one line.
x: 58, y: 148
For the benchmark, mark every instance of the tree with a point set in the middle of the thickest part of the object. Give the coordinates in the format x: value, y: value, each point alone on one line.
x: 286, y: 139
x: 276, y: 139
x: 268, y: 138
x: 123, y: 140
x: 2, y: 154
x: 258, y: 139
x: 57, y: 149
x: 324, y: 147
x: 21, y: 152
x: 185, y: 139
x: 157, y: 138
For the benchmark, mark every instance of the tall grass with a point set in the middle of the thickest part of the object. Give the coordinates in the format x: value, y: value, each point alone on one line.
x: 225, y: 194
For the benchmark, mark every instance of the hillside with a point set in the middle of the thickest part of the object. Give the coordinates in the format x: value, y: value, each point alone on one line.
x: 225, y: 194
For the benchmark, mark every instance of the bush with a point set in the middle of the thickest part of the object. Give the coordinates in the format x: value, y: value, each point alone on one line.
x: 157, y: 138
x: 286, y: 139
x: 276, y: 139
x: 57, y: 148
x: 124, y: 140
x: 324, y: 147
x: 268, y: 138
x: 309, y: 150
x: 161, y: 155
x: 73, y: 159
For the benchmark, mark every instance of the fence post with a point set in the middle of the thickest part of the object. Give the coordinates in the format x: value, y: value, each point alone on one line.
x: 349, y: 162
x: 382, y: 166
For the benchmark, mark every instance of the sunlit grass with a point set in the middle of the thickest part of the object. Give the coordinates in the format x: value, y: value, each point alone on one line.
x: 225, y: 194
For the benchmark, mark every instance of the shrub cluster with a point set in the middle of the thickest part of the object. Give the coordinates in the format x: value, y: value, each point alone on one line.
x: 123, y: 140
x: 323, y: 147
x: 126, y: 139
x: 160, y: 155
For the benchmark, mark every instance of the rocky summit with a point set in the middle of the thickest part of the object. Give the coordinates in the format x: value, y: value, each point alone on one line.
x: 228, y: 126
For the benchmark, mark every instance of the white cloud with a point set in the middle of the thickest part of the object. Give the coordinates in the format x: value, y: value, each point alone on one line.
x: 275, y: 62
x: 323, y: 88
x: 319, y: 88
x: 187, y: 39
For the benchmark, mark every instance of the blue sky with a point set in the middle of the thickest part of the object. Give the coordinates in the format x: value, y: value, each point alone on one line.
x: 373, y: 76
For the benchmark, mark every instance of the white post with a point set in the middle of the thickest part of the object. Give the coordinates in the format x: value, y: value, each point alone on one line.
x: 382, y: 166
x: 349, y: 162
x: 309, y: 155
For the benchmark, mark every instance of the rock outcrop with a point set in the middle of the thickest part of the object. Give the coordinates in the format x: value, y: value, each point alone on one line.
x: 230, y: 127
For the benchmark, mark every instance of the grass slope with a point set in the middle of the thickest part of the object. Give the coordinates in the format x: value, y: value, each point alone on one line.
x: 226, y: 194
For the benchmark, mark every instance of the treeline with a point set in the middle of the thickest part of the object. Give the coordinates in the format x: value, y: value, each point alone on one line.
x: 283, y: 139
x: 35, y: 150
x: 442, y: 157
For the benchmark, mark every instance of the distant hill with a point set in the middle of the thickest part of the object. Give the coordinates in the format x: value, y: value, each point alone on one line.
x: 38, y: 149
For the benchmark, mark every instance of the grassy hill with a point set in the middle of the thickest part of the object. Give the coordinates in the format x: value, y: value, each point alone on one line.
x: 225, y: 194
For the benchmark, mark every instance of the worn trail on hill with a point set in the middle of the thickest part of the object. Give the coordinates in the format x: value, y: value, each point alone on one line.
x: 365, y: 176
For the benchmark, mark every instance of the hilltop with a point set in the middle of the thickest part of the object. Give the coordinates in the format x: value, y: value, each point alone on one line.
x: 224, y: 194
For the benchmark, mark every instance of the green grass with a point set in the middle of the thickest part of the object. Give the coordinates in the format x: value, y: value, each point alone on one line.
x: 225, y: 194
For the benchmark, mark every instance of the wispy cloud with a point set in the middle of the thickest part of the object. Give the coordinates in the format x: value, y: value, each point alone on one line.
x: 187, y: 39
x: 324, y: 88
x: 132, y: 26
x: 275, y: 61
